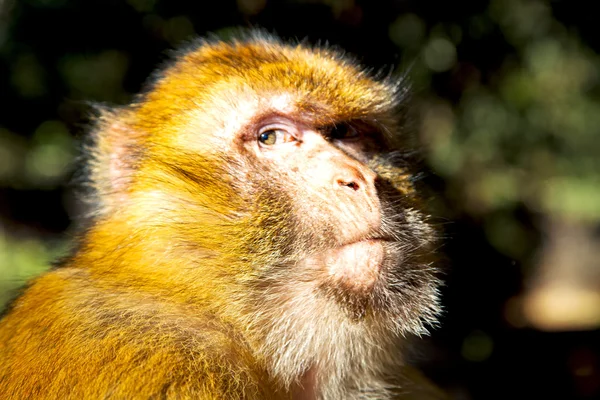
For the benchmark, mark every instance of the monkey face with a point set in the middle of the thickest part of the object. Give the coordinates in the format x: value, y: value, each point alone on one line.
x: 349, y: 213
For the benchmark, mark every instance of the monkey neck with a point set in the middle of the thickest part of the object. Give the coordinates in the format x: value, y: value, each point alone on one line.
x: 306, y: 387
x: 151, y: 262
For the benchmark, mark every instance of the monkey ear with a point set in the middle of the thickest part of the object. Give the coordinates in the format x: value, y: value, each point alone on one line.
x: 112, y: 154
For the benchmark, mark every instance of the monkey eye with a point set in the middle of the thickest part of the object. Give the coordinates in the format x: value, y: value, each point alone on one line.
x: 275, y: 136
x: 342, y: 131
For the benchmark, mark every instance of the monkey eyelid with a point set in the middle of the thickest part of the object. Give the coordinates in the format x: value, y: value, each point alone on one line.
x: 287, y: 128
x: 345, y: 131
x: 359, y: 127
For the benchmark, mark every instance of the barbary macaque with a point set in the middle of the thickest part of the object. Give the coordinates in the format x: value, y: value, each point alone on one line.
x: 255, y: 233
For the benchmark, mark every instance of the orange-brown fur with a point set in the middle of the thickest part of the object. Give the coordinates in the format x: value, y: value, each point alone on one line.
x: 153, y: 304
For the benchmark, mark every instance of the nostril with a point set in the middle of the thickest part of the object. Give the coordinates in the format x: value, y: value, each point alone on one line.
x: 352, y: 185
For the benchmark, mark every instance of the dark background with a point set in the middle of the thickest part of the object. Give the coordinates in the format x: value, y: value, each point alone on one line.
x: 507, y: 99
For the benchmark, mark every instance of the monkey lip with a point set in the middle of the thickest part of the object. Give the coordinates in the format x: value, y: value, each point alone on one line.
x: 356, y: 266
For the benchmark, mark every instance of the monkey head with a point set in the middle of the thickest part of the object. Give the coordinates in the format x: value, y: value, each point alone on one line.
x: 267, y: 181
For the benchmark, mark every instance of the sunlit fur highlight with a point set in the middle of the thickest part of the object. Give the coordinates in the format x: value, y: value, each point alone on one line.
x: 190, y: 280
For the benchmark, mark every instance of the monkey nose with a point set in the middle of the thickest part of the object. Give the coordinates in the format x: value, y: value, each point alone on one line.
x: 353, y: 179
x: 357, y: 197
x: 352, y: 185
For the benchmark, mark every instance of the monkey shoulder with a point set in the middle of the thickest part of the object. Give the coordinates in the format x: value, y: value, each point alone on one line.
x: 69, y: 337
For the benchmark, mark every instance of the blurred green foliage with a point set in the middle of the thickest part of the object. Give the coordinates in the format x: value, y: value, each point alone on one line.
x: 43, y: 161
x: 21, y: 260
x: 528, y: 135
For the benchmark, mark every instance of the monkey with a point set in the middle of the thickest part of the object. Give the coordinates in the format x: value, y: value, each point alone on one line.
x: 254, y: 233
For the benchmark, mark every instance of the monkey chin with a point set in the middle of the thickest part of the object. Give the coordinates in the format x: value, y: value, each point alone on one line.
x: 352, y: 272
x: 355, y: 266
